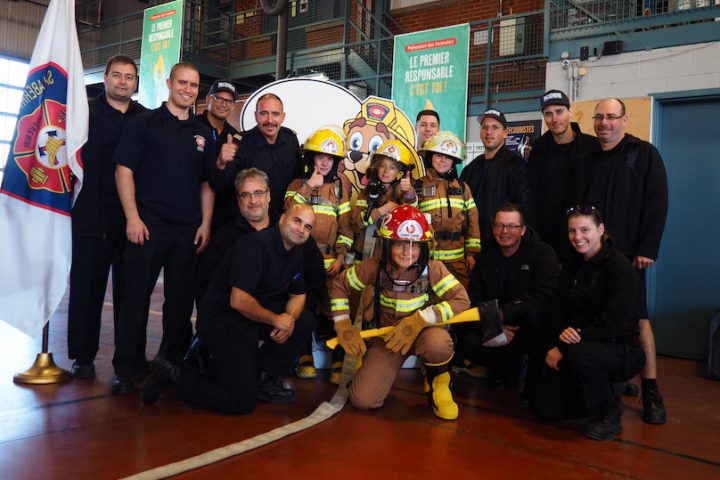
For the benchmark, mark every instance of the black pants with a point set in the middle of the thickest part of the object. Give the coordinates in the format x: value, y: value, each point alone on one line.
x: 238, y: 362
x: 532, y: 338
x: 170, y: 248
x: 585, y: 379
x: 91, y: 261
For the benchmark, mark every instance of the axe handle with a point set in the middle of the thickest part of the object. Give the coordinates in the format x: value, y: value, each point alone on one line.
x: 469, y: 315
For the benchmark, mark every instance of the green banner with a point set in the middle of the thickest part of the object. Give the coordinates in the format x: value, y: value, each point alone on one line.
x: 161, y: 42
x: 430, y: 71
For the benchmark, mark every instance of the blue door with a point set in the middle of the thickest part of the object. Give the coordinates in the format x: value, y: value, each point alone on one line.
x: 684, y: 285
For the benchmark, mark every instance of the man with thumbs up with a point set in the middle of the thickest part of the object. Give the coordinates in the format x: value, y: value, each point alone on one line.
x: 221, y: 100
x: 269, y: 146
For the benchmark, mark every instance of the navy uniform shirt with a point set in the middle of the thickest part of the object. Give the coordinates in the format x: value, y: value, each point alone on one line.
x: 99, y: 193
x: 259, y: 265
x: 170, y: 158
x: 280, y: 160
x: 226, y: 208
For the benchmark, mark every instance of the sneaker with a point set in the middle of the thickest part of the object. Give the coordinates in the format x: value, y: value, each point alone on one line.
x: 470, y: 368
x: 272, y: 390
x: 653, y: 408
x: 83, y: 370
x: 631, y: 390
x: 607, y: 426
x: 305, y: 367
x: 336, y: 373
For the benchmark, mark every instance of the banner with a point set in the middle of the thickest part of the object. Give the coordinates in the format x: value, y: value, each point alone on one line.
x: 161, y: 41
x: 430, y: 71
x: 37, y: 189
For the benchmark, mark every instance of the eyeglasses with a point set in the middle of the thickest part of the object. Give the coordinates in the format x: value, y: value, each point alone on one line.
x: 511, y: 227
x: 582, y: 210
x: 256, y: 194
x: 223, y: 101
x: 610, y: 117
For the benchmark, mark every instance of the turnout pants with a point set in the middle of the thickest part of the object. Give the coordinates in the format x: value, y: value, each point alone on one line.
x: 380, y: 366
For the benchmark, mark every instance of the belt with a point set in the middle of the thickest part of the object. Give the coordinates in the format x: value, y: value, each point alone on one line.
x: 445, y: 235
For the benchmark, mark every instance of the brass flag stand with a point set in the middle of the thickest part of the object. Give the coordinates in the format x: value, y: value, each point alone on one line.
x: 44, y: 371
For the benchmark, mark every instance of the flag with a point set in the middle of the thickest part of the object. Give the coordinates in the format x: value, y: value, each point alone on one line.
x: 37, y: 188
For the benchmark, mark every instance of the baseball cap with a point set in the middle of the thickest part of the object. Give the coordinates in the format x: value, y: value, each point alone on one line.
x: 554, y: 97
x: 223, y: 86
x: 496, y: 114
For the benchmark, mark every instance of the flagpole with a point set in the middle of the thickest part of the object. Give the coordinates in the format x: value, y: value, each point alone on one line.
x: 43, y: 371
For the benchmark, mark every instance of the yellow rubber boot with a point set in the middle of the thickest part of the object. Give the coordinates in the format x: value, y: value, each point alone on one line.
x: 305, y: 367
x: 437, y: 387
x: 336, y: 373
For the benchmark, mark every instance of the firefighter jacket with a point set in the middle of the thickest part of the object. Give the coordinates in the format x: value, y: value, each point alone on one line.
x: 401, y: 295
x: 331, y: 205
x: 362, y: 220
x: 454, y: 216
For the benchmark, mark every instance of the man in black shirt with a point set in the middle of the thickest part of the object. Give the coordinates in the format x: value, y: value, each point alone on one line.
x: 269, y: 146
x: 220, y: 101
x: 521, y: 273
x: 257, y: 293
x: 161, y: 174
x: 98, y: 223
x: 498, y: 175
x: 253, y: 199
x: 556, y: 160
x: 626, y: 181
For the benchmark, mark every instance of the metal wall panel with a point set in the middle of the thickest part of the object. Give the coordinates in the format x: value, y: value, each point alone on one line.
x: 19, y: 26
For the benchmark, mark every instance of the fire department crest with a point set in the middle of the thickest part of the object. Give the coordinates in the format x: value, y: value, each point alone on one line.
x: 410, y: 230
x: 39, y: 157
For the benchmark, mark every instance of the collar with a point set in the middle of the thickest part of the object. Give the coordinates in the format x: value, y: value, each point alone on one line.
x: 277, y: 240
x: 167, y: 114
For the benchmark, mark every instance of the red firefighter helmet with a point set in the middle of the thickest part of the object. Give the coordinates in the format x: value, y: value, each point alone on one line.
x: 405, y: 223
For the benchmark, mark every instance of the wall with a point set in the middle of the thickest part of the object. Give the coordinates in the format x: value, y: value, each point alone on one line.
x: 443, y: 13
x: 638, y: 74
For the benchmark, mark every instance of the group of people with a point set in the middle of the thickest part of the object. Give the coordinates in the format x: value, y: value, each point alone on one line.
x: 260, y: 234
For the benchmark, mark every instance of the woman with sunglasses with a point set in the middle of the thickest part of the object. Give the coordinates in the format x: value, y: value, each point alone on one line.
x: 598, y: 344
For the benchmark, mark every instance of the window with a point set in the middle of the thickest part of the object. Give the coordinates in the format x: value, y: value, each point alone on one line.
x: 13, y: 74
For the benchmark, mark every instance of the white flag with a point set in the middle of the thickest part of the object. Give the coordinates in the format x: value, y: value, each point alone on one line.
x: 37, y: 189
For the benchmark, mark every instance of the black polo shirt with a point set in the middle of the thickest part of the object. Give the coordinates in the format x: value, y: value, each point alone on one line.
x: 259, y: 265
x: 170, y: 158
x: 99, y: 193
x: 226, y: 208
x: 280, y: 160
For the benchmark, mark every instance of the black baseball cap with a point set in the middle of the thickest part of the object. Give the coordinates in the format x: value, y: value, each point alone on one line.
x: 223, y: 86
x: 554, y: 97
x: 496, y: 114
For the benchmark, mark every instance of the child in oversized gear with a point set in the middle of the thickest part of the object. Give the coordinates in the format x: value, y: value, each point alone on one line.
x: 322, y: 188
x: 389, y: 185
x: 450, y: 204
x: 407, y: 289
x: 377, y: 122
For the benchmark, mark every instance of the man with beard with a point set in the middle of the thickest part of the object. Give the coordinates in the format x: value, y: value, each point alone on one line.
x: 269, y: 146
x: 556, y: 159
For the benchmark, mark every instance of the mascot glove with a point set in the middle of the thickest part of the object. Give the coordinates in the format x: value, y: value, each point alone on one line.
x: 349, y: 337
x: 405, y: 332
